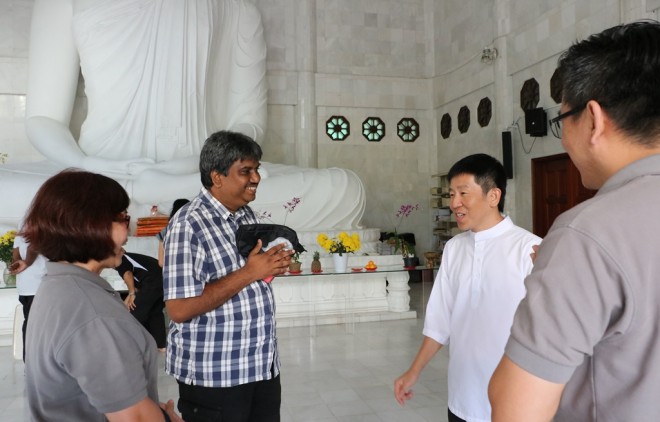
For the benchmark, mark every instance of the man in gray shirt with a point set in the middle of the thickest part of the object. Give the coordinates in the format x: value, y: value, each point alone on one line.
x: 584, y: 344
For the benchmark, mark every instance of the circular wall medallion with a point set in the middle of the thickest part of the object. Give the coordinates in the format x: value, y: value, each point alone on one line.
x: 445, y: 126
x: 484, y: 112
x: 555, y: 86
x: 407, y: 129
x: 373, y: 129
x: 337, y: 128
x: 529, y: 94
x: 463, y: 119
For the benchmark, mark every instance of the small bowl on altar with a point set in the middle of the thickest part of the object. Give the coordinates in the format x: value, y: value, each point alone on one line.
x: 356, y: 269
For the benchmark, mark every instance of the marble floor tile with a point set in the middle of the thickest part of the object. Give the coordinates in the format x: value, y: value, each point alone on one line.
x: 329, y: 373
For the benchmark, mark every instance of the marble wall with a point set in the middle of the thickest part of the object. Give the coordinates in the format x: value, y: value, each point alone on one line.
x: 14, y: 27
x: 390, y: 59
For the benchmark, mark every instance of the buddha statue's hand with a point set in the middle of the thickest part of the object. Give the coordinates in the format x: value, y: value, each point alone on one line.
x: 129, y: 167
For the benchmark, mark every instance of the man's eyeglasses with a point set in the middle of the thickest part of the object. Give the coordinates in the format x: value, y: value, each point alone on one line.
x: 123, y: 218
x: 555, y: 124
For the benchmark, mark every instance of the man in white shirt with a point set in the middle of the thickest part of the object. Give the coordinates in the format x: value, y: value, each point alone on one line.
x: 476, y: 291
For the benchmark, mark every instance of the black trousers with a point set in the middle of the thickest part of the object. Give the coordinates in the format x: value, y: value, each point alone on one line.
x: 453, y: 418
x: 149, y: 309
x: 26, y: 301
x: 254, y: 402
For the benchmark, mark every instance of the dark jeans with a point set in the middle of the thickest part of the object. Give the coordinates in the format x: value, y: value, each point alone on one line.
x: 453, y: 418
x: 26, y: 301
x: 254, y: 402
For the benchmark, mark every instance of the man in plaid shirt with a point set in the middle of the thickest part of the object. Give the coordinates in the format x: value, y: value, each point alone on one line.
x: 222, y: 345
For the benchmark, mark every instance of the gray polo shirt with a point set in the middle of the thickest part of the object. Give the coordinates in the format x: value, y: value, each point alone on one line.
x: 591, y: 315
x: 86, y: 354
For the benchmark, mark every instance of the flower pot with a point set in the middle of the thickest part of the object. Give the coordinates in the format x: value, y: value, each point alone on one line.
x: 410, y: 262
x: 294, y: 267
x: 340, y: 262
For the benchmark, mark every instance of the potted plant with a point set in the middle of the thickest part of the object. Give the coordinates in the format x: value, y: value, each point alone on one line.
x: 408, y: 254
x: 288, y: 209
x: 295, y: 265
x: 395, y: 239
x: 339, y: 247
x: 316, y: 263
x: 6, y: 255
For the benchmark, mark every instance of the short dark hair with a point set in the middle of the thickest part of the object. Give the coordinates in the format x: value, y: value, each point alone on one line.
x: 488, y: 173
x: 221, y: 150
x: 177, y: 204
x: 620, y: 69
x: 70, y: 218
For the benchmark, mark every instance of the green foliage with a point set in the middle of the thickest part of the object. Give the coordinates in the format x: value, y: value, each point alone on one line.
x: 401, y: 246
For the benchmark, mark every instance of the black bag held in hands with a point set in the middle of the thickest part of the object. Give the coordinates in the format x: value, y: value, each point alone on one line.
x: 248, y: 234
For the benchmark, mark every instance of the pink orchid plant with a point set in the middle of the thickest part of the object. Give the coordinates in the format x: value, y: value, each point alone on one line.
x: 407, y: 249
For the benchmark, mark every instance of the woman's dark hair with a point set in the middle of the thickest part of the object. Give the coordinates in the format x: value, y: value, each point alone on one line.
x: 176, y: 206
x: 221, y: 150
x: 70, y: 218
x: 487, y: 171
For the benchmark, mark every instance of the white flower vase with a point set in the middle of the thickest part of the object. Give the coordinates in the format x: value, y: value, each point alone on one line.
x: 340, y: 262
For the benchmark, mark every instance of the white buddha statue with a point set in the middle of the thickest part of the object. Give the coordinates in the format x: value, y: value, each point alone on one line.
x: 160, y: 76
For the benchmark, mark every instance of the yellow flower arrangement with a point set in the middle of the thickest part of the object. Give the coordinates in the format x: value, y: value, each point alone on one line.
x: 7, y: 246
x: 343, y: 243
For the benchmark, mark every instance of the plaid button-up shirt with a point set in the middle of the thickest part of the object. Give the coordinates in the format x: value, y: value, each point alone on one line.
x: 235, y: 343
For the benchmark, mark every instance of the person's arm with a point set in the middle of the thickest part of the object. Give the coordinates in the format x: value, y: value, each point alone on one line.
x: 168, y: 408
x: 535, y: 250
x: 518, y: 396
x: 52, y: 82
x: 145, y: 410
x: 275, y: 261
x: 130, y: 284
x: 403, y: 385
x: 104, y: 384
x: 54, y: 67
x: 161, y: 253
x: 31, y: 255
x: 18, y: 264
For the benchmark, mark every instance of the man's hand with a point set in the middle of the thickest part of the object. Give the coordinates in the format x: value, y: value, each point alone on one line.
x: 116, y: 167
x: 274, y: 261
x: 17, y: 267
x: 259, y: 265
x: 535, y: 250
x: 403, y: 387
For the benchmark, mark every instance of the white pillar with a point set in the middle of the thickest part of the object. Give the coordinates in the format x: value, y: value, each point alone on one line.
x: 397, y: 291
x: 305, y: 109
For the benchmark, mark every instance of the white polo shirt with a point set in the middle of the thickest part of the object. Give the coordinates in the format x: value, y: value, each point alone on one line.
x: 471, y: 308
x: 27, y: 282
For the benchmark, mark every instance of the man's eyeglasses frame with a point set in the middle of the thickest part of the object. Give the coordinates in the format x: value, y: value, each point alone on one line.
x: 555, y: 124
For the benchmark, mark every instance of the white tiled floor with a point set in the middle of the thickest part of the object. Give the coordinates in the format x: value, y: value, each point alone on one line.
x: 340, y: 373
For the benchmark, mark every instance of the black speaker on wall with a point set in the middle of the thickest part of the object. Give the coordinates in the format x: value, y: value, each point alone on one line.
x: 536, y: 122
x: 507, y: 154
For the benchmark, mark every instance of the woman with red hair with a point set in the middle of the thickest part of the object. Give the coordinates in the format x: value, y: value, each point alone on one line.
x: 87, y: 358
